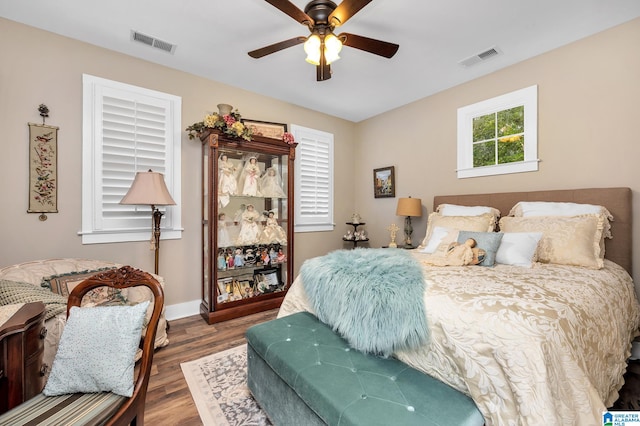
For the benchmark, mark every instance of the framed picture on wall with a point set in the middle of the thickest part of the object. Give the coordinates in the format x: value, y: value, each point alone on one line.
x: 384, y: 182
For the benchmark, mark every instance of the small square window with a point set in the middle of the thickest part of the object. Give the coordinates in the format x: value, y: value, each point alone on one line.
x: 499, y: 135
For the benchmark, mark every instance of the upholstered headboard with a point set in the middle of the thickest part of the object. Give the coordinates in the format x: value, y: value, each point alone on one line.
x: 616, y: 200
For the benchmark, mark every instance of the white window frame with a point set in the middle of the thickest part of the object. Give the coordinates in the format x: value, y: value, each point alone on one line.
x: 527, y: 97
x: 134, y: 222
x: 312, y: 142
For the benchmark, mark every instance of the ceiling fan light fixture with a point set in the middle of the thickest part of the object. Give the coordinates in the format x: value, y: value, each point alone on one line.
x: 312, y: 49
x: 332, y: 47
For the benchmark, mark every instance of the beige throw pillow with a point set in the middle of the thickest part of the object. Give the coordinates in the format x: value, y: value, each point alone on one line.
x: 482, y: 223
x: 566, y: 240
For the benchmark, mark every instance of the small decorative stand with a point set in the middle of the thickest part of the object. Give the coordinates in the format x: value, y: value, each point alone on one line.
x: 356, y: 236
x: 393, y: 228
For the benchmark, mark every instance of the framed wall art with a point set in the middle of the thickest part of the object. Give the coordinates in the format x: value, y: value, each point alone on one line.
x: 265, y: 128
x: 43, y: 169
x: 384, y: 182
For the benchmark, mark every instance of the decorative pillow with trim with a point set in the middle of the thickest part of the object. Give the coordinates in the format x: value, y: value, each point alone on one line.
x: 484, y: 223
x: 487, y: 241
x: 439, y: 236
x: 566, y: 240
x: 97, y: 350
x: 63, y: 284
x: 551, y: 208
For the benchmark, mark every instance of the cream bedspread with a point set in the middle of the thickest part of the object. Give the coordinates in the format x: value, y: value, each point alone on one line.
x: 540, y: 346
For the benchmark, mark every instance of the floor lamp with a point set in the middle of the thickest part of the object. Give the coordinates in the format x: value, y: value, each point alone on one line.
x: 409, y: 207
x: 149, y: 188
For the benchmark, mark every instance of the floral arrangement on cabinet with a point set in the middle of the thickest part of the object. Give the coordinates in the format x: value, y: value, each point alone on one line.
x: 230, y: 123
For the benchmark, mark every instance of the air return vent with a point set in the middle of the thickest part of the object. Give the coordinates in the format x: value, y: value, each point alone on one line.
x: 153, y: 42
x: 479, y: 57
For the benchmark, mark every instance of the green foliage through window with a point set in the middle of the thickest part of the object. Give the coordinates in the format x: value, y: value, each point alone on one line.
x: 498, y: 138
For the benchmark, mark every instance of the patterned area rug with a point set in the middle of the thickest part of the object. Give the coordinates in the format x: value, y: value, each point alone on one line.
x: 218, y: 386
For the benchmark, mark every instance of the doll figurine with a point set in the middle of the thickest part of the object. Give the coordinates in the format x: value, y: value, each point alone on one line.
x: 250, y: 176
x: 249, y: 228
x: 223, y: 232
x: 227, y: 184
x: 238, y: 259
x: 272, y: 232
x: 271, y: 185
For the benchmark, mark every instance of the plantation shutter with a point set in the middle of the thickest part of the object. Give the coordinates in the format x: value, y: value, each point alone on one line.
x: 314, y: 180
x: 132, y: 131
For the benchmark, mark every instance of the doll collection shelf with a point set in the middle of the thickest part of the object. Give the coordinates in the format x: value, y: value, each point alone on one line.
x: 216, y: 304
x: 355, y: 229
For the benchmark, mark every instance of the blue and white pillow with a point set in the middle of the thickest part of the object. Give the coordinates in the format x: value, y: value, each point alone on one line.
x: 97, y: 351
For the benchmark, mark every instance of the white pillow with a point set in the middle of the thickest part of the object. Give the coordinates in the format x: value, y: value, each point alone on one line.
x: 439, y: 235
x: 549, y: 208
x: 456, y: 210
x: 518, y: 248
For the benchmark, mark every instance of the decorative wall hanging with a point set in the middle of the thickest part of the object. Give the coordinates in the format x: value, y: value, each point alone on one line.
x: 384, y: 182
x: 266, y: 128
x: 43, y: 167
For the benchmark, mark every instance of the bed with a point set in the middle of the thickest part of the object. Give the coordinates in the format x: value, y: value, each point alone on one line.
x: 545, y: 344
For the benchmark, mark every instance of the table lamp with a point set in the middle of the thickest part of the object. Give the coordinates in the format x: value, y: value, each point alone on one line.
x: 409, y: 207
x: 150, y: 188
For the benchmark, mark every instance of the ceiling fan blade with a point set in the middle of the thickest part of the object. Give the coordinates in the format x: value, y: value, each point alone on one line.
x: 292, y: 10
x: 370, y: 45
x: 345, y: 11
x: 267, y: 50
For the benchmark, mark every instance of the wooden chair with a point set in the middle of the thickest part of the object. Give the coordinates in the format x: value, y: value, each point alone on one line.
x: 101, y: 408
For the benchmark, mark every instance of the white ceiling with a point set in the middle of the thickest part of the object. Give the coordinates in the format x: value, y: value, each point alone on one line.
x: 213, y: 38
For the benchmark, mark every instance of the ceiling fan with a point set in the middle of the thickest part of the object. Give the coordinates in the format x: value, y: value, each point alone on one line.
x: 322, y: 46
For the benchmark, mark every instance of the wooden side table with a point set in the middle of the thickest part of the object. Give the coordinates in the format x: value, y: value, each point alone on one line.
x: 21, y: 355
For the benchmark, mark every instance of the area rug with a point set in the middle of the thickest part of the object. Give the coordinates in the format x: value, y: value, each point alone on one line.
x: 218, y: 386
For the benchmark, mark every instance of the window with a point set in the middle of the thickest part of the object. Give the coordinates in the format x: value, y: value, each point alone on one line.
x: 127, y: 129
x: 499, y: 135
x: 313, y: 180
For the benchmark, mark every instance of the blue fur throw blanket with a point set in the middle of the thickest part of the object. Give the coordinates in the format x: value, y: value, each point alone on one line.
x: 371, y: 297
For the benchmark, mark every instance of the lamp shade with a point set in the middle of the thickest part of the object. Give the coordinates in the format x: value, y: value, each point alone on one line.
x: 148, y: 188
x: 409, y: 207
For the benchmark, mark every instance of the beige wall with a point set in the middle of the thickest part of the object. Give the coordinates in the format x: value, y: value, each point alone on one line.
x: 588, y: 137
x: 40, y: 67
x: 588, y: 94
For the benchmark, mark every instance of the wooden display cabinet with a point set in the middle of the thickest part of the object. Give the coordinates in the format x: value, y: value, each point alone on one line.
x: 247, y: 232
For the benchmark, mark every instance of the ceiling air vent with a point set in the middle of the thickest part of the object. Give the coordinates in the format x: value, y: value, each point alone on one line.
x: 153, y: 42
x: 479, y: 57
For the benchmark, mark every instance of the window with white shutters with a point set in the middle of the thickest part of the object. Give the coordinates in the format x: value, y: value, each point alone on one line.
x: 127, y: 129
x: 314, y: 180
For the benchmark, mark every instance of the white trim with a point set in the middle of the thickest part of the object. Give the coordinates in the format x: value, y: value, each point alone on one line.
x: 527, y: 97
x: 182, y: 310
x: 95, y: 228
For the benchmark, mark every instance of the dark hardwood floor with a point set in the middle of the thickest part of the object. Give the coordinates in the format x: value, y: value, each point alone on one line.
x: 168, y: 399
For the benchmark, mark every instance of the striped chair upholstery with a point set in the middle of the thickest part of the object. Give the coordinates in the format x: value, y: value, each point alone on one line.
x: 98, y: 408
x: 72, y: 409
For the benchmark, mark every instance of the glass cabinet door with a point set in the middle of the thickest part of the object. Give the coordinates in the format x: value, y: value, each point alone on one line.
x: 251, y: 258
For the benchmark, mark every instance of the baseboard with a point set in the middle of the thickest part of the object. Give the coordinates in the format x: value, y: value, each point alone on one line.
x: 182, y: 310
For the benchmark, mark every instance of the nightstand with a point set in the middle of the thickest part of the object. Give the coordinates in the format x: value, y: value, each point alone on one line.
x: 21, y: 354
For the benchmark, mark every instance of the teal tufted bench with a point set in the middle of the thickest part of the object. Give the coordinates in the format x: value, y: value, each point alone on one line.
x: 302, y: 373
